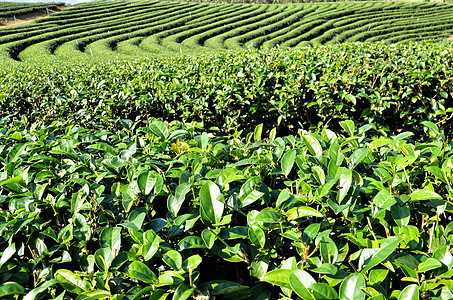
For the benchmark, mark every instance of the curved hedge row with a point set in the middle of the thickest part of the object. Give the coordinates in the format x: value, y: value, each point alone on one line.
x: 12, y: 9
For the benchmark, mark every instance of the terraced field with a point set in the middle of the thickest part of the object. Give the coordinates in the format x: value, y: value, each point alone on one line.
x: 124, y: 30
x: 13, y: 9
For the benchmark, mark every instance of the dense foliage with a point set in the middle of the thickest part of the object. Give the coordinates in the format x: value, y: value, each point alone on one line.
x: 113, y: 29
x: 171, y: 211
x: 316, y: 173
x: 392, y: 88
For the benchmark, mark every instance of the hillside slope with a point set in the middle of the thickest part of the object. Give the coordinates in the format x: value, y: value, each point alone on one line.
x: 124, y: 30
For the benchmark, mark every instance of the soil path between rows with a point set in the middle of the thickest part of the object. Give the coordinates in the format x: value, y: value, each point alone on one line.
x: 28, y: 18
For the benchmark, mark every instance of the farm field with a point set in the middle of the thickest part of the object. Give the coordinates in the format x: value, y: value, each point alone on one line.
x: 11, y: 9
x: 140, y: 158
x: 124, y: 30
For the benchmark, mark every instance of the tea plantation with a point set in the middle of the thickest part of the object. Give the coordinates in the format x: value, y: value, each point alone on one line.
x: 121, y: 30
x: 169, y: 150
x: 13, y: 9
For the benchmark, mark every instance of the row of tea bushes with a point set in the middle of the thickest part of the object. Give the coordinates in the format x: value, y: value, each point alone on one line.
x: 391, y: 87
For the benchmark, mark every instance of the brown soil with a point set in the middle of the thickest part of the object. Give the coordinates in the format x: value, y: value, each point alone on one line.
x: 27, y: 18
x: 450, y: 38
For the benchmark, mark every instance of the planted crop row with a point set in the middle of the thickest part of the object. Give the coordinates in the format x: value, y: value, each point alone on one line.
x: 212, y: 28
x: 195, y: 42
x: 349, y: 27
x: 56, y: 38
x: 171, y: 25
x: 106, y: 14
x: 362, y: 29
x: 217, y: 41
x: 9, y: 10
x: 82, y: 36
x: 108, y: 46
x: 150, y: 43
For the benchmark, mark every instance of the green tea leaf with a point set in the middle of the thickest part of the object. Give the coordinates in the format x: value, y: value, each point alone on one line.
x: 377, y: 276
x: 444, y: 255
x: 111, y: 238
x: 268, y: 215
x: 204, y: 141
x: 429, y: 264
x: 319, y: 174
x: 136, y: 219
x: 15, y: 179
x: 174, y: 203
x: 386, y: 248
x: 437, y: 172
x: 300, y: 281
x: 345, y: 182
x: 301, y: 212
x: 191, y: 242
x: 288, y: 161
x: 191, y: 263
x: 146, y: 182
x: 401, y: 215
x: 279, y: 277
x: 249, y: 188
x: 257, y: 236
x: 183, y: 292
x: 11, y: 288
x: 158, y: 294
x: 418, y: 195
x: 282, y: 197
x: 329, y: 250
x: 211, y: 202
x: 350, y: 287
x: 34, y: 293
x: 310, y: 232
x: 323, y: 291
x: 228, y: 175
x: 159, y: 129
x: 151, y: 244
x: 251, y: 197
x: 104, y: 147
x: 348, y: 126
x: 94, y: 295
x: 257, y: 132
x: 313, y: 145
x: 173, y: 259
x: 65, y: 151
x: 208, y: 238
x: 350, y: 98
x: 103, y: 258
x: 232, y: 254
x: 261, y: 292
x: 140, y: 271
x: 431, y: 126
x: 7, y: 254
x: 410, y: 292
x: 15, y: 152
x: 357, y: 157
x: 71, y: 282
x: 236, y: 232
x: 382, y: 201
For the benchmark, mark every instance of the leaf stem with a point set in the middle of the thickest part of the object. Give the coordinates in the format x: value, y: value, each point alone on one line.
x: 371, y: 228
